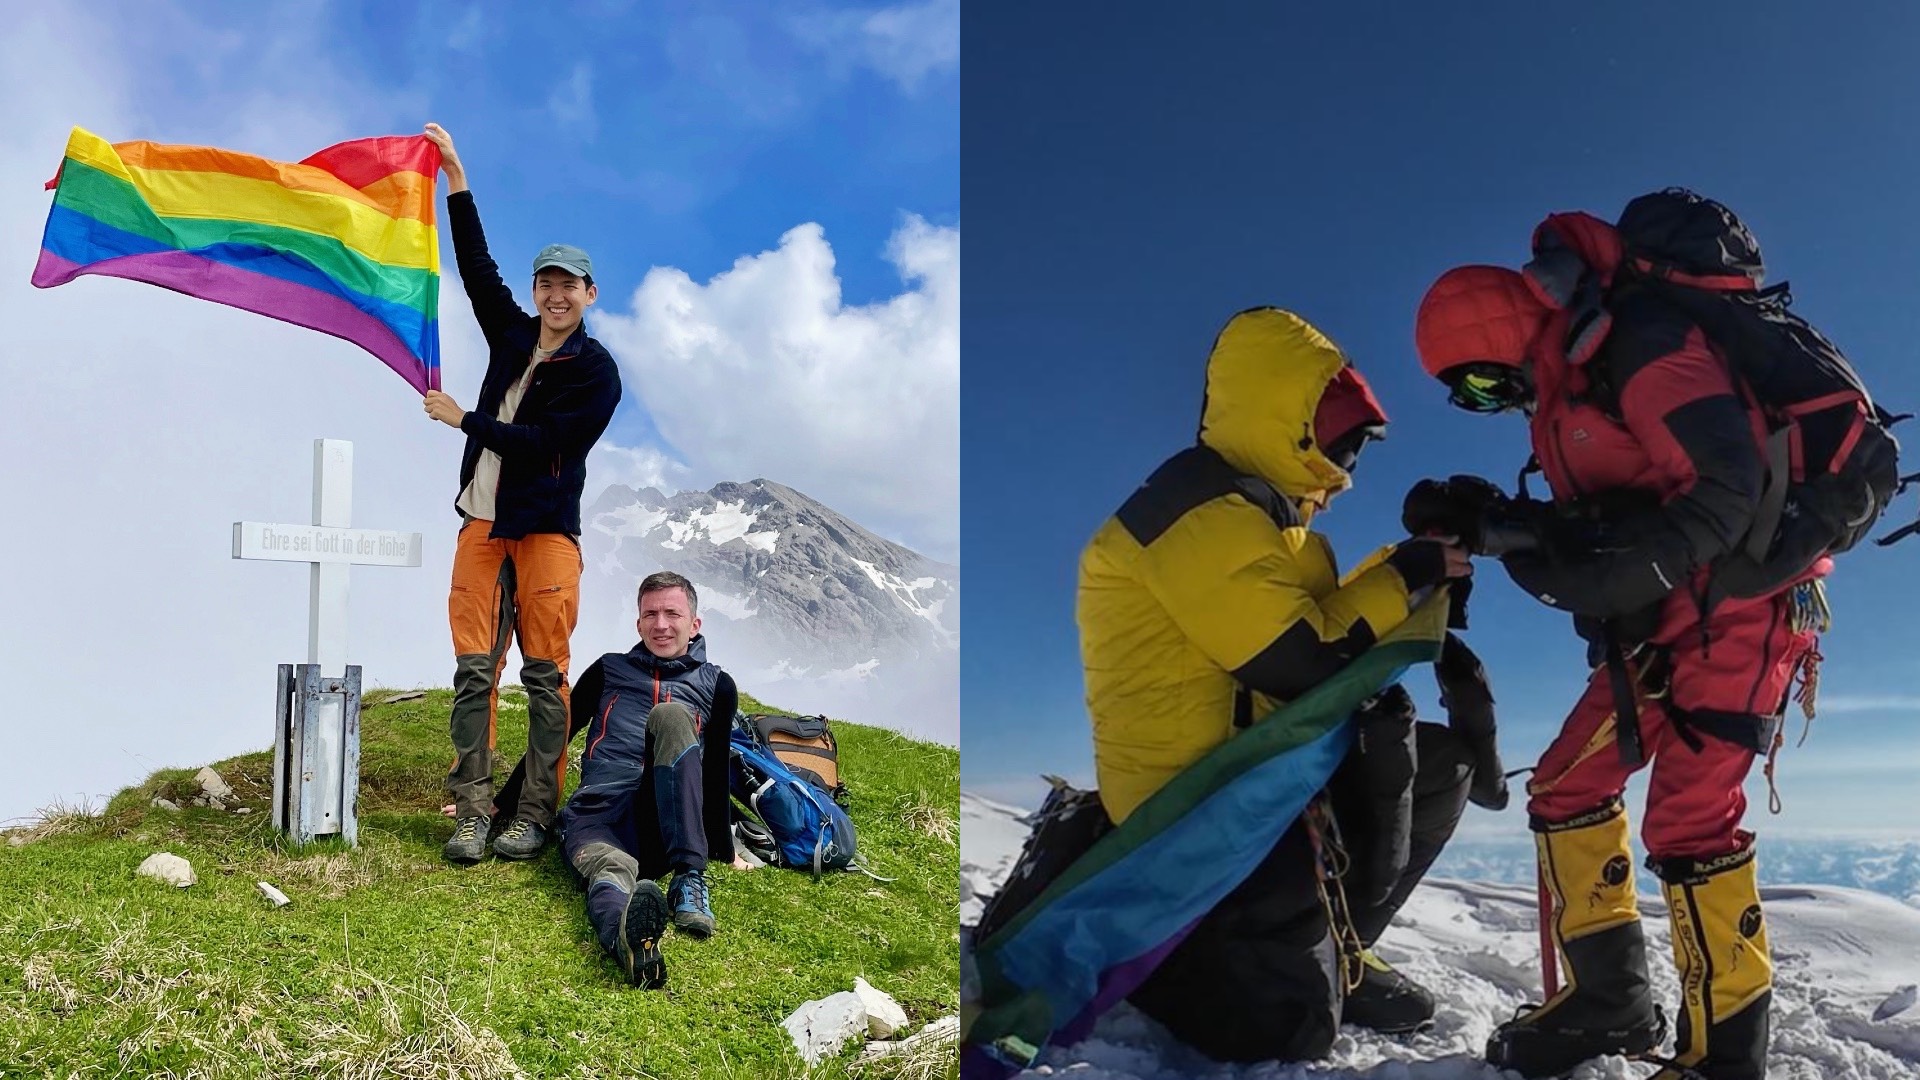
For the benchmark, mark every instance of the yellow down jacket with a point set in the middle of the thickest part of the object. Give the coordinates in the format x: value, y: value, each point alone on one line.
x: 1205, y: 601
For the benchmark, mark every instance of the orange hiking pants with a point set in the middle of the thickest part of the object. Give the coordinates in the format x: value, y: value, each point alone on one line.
x: 529, y: 586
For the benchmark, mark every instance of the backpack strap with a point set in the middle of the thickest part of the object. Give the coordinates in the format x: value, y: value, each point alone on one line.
x: 1773, y: 500
x: 802, y: 748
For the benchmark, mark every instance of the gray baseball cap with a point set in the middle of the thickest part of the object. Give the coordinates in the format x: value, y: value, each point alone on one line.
x: 565, y: 257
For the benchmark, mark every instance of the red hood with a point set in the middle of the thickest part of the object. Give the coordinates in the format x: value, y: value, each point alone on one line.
x: 1475, y: 314
x: 1348, y: 403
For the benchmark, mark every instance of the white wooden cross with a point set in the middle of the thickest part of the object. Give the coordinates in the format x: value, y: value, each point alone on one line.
x: 331, y: 547
x: 316, y: 746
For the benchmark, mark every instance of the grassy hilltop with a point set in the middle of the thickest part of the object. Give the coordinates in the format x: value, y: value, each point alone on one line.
x: 393, y: 963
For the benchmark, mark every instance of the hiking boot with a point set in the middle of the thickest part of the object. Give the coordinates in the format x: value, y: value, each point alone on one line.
x: 637, y: 947
x: 522, y: 839
x: 687, y: 896
x: 469, y: 841
x: 1606, y: 1004
x: 1386, y: 1001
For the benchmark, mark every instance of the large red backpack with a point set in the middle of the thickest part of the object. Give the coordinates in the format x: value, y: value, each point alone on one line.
x: 1696, y: 255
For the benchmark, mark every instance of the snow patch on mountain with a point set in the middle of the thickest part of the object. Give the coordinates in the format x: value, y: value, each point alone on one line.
x: 724, y: 523
x: 631, y: 520
x: 1841, y: 955
x: 715, y: 602
x: 907, y: 593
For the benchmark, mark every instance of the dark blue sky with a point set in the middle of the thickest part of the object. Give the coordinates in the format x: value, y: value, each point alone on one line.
x: 1136, y: 177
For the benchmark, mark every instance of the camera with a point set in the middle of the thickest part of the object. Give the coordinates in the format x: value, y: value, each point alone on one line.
x: 1474, y: 509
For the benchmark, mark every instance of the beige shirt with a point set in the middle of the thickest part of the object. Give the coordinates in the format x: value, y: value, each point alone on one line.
x: 477, y: 500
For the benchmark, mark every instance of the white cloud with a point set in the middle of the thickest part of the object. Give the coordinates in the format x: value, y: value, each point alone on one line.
x: 1864, y: 703
x: 571, y: 102
x: 910, y: 42
x: 644, y: 467
x: 764, y: 372
x: 906, y: 42
x: 470, y: 31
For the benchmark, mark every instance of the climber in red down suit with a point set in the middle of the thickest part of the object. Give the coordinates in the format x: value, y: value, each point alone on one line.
x: 1656, y: 463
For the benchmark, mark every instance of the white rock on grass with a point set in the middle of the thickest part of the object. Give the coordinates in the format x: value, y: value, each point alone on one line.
x: 165, y: 804
x: 279, y: 898
x: 820, y: 1028
x: 168, y: 867
x: 884, y: 1015
x: 212, y: 785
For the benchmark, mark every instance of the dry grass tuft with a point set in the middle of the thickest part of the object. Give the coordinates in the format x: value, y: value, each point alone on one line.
x: 41, y: 975
x: 332, y: 875
x: 410, y: 1035
x: 930, y: 818
x: 59, y: 819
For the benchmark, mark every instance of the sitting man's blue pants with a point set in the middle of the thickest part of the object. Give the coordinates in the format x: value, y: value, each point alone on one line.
x: 613, y: 832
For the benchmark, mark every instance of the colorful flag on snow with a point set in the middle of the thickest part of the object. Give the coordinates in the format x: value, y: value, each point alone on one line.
x: 1101, y: 928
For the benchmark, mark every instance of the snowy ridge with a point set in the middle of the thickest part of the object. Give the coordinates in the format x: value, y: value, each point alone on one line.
x: 905, y: 592
x: 1841, y: 957
x: 726, y: 522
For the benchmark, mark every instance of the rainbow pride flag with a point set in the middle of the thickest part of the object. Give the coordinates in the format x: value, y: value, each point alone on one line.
x: 343, y: 242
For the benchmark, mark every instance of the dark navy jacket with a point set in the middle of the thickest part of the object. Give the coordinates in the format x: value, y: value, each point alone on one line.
x: 611, y: 702
x: 543, y: 453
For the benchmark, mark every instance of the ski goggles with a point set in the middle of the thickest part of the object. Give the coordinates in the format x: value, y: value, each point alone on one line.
x: 1489, y: 388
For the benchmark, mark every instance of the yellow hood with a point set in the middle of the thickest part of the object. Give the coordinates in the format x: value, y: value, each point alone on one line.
x: 1264, y: 381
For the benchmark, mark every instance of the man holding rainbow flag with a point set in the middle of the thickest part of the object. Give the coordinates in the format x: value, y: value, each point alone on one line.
x: 548, y: 394
x: 344, y: 242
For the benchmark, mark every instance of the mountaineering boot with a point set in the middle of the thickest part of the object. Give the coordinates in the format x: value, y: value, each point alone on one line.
x: 469, y: 841
x: 1386, y: 1001
x: 523, y: 839
x: 1606, y: 1006
x: 1726, y: 970
x: 637, y: 945
x: 687, y: 896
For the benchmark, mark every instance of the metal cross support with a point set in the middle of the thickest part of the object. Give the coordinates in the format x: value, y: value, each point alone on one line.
x: 316, y: 754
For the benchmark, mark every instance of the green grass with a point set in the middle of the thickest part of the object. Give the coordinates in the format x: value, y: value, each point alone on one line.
x: 392, y: 963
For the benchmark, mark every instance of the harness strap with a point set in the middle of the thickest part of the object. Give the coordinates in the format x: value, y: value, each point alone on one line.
x: 1626, y: 701
x: 1749, y: 731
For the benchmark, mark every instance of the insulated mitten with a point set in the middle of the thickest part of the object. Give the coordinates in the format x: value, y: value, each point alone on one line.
x: 1468, y: 699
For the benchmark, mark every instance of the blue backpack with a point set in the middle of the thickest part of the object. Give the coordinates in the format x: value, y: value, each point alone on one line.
x: 809, y: 829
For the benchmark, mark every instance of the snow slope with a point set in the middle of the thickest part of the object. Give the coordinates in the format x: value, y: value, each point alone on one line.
x: 1841, y: 956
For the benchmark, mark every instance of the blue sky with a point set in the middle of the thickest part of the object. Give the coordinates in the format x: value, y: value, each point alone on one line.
x: 1134, y: 180
x: 771, y: 195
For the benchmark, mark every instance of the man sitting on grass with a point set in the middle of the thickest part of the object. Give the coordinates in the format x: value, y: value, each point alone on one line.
x: 653, y: 781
